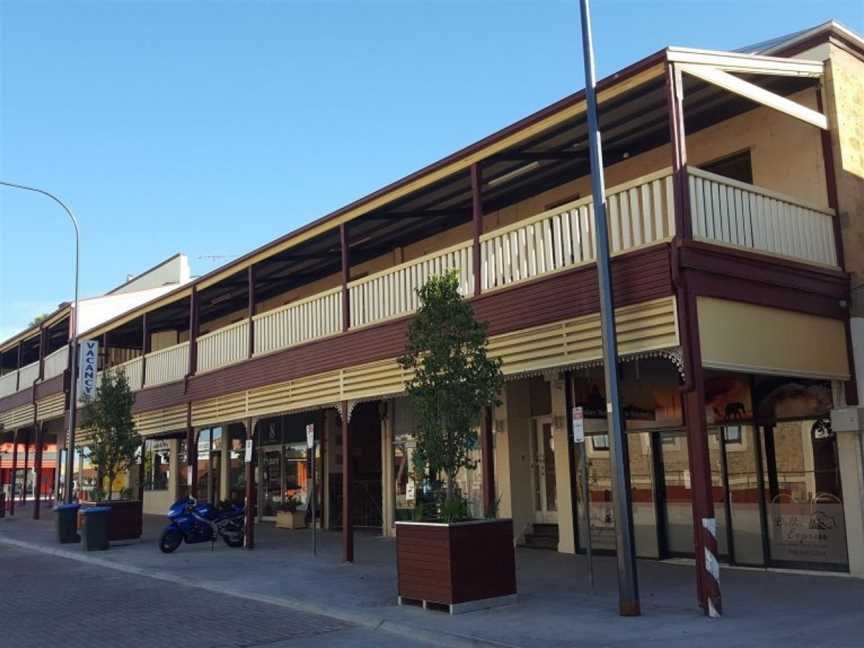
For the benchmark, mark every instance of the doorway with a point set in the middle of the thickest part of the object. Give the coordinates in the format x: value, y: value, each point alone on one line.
x: 542, y: 464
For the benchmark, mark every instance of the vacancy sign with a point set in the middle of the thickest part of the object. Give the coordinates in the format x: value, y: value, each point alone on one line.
x: 578, y: 416
x: 88, y: 357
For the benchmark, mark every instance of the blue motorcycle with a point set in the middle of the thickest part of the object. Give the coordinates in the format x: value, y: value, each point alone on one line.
x: 193, y: 523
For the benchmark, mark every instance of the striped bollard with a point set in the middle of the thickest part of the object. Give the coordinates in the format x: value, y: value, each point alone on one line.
x: 712, y: 568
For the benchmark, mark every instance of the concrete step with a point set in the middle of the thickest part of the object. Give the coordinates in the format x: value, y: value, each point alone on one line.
x: 550, y: 530
x: 534, y: 541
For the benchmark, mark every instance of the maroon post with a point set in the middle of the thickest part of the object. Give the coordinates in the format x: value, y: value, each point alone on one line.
x: 346, y: 276
x: 14, y: 470
x: 347, y: 477
x: 250, y: 308
x: 141, y: 474
x: 249, y: 472
x: 26, y: 459
x: 145, y: 347
x: 477, y: 212
x: 191, y: 455
x: 37, y: 466
x: 487, y: 457
x: 193, y: 332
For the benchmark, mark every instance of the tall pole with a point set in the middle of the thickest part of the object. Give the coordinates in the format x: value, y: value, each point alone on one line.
x: 73, y: 388
x: 628, y: 587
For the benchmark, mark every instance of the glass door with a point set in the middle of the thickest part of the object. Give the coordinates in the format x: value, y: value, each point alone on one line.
x: 677, y: 494
x: 543, y: 471
x: 744, y: 494
x: 271, y: 481
x: 804, y: 503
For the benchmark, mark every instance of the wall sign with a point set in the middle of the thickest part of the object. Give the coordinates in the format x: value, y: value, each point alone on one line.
x: 310, y: 436
x: 248, y: 457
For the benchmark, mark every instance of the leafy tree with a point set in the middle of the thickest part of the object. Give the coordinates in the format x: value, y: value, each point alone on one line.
x: 38, y: 320
x: 453, y: 381
x: 114, y: 440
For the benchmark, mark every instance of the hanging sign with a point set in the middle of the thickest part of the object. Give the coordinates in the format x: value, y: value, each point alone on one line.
x: 310, y: 436
x: 88, y: 354
x: 578, y: 416
x: 248, y: 457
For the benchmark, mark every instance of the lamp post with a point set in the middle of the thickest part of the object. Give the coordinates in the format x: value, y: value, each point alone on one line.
x: 73, y: 387
x: 628, y: 588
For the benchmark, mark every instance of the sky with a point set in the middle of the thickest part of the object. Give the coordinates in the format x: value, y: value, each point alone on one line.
x: 211, y: 128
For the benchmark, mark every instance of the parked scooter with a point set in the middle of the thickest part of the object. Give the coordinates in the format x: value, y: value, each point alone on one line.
x: 193, y: 523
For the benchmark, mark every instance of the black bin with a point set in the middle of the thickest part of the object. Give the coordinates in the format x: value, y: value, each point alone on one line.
x: 67, y: 523
x: 96, y: 528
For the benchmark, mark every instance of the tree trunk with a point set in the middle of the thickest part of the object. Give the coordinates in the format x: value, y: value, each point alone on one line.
x: 110, y: 485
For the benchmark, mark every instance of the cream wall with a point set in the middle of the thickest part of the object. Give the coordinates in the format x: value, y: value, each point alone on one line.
x: 158, y: 502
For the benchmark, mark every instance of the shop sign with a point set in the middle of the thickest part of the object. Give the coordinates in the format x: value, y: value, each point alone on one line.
x: 578, y: 416
x: 88, y: 354
x: 310, y: 436
x: 248, y: 457
x: 410, y: 491
x: 812, y: 532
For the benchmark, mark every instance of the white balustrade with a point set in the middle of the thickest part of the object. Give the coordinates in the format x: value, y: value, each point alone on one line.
x: 224, y: 346
x: 56, y: 363
x: 132, y: 369
x: 393, y: 292
x: 167, y: 365
x: 300, y: 321
x: 8, y: 383
x: 29, y: 374
x: 639, y: 213
x: 742, y: 215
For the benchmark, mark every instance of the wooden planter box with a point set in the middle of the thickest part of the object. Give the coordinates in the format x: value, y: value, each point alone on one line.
x: 464, y: 566
x: 125, y: 522
x: 291, y: 520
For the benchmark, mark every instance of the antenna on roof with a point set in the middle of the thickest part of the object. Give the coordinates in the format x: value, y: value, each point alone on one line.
x: 216, y: 258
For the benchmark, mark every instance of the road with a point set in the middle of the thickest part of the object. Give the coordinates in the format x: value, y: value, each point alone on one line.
x: 49, y: 601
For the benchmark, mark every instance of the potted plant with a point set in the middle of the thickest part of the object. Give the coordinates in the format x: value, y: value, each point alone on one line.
x: 113, y: 450
x: 444, y: 556
x: 288, y: 515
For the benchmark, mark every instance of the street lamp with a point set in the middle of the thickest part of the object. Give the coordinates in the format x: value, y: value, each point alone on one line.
x: 73, y: 387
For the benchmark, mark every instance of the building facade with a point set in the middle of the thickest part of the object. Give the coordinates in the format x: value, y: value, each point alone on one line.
x: 736, y: 206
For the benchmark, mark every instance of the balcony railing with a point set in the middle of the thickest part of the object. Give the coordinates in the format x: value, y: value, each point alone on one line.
x: 167, y: 365
x: 132, y: 369
x: 742, y: 215
x: 639, y: 213
x: 28, y: 375
x: 307, y: 319
x: 393, y: 292
x: 223, y: 346
x: 8, y: 383
x: 56, y: 362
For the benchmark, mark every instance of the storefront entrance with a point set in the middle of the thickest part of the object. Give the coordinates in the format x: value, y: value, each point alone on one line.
x: 542, y: 460
x: 778, y: 499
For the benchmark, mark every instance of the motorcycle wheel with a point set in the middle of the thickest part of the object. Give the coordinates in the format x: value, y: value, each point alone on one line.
x: 170, y: 540
x: 235, y: 542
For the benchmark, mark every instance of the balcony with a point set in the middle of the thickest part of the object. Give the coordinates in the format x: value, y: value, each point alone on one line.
x: 641, y: 213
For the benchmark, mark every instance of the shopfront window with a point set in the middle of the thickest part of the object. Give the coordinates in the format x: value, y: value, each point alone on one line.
x: 284, y: 463
x: 157, y: 464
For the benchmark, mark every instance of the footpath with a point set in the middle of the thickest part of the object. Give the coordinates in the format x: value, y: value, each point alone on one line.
x: 554, y: 608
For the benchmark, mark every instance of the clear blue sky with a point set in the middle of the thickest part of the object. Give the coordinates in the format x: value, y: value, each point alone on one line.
x: 213, y: 127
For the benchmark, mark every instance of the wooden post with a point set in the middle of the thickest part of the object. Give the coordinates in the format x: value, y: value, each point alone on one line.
x: 677, y: 134
x: 477, y: 204
x: 106, y: 362
x: 347, y: 477
x: 18, y: 368
x: 145, y: 347
x: 249, y: 504
x: 14, y: 470
x: 43, y: 338
x: 693, y: 391
x: 346, y: 276
x: 26, y: 458
x: 704, y: 522
x: 250, y: 308
x: 191, y: 455
x: 487, y: 457
x: 37, y: 467
x: 193, y: 332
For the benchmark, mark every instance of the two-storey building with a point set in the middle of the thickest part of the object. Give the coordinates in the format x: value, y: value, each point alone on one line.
x: 736, y: 214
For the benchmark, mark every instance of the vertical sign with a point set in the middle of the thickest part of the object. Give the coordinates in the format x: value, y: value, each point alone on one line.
x: 88, y: 354
x: 310, y: 435
x: 248, y: 457
x: 578, y: 415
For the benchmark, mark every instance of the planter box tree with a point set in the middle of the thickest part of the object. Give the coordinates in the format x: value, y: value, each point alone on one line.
x: 444, y: 557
